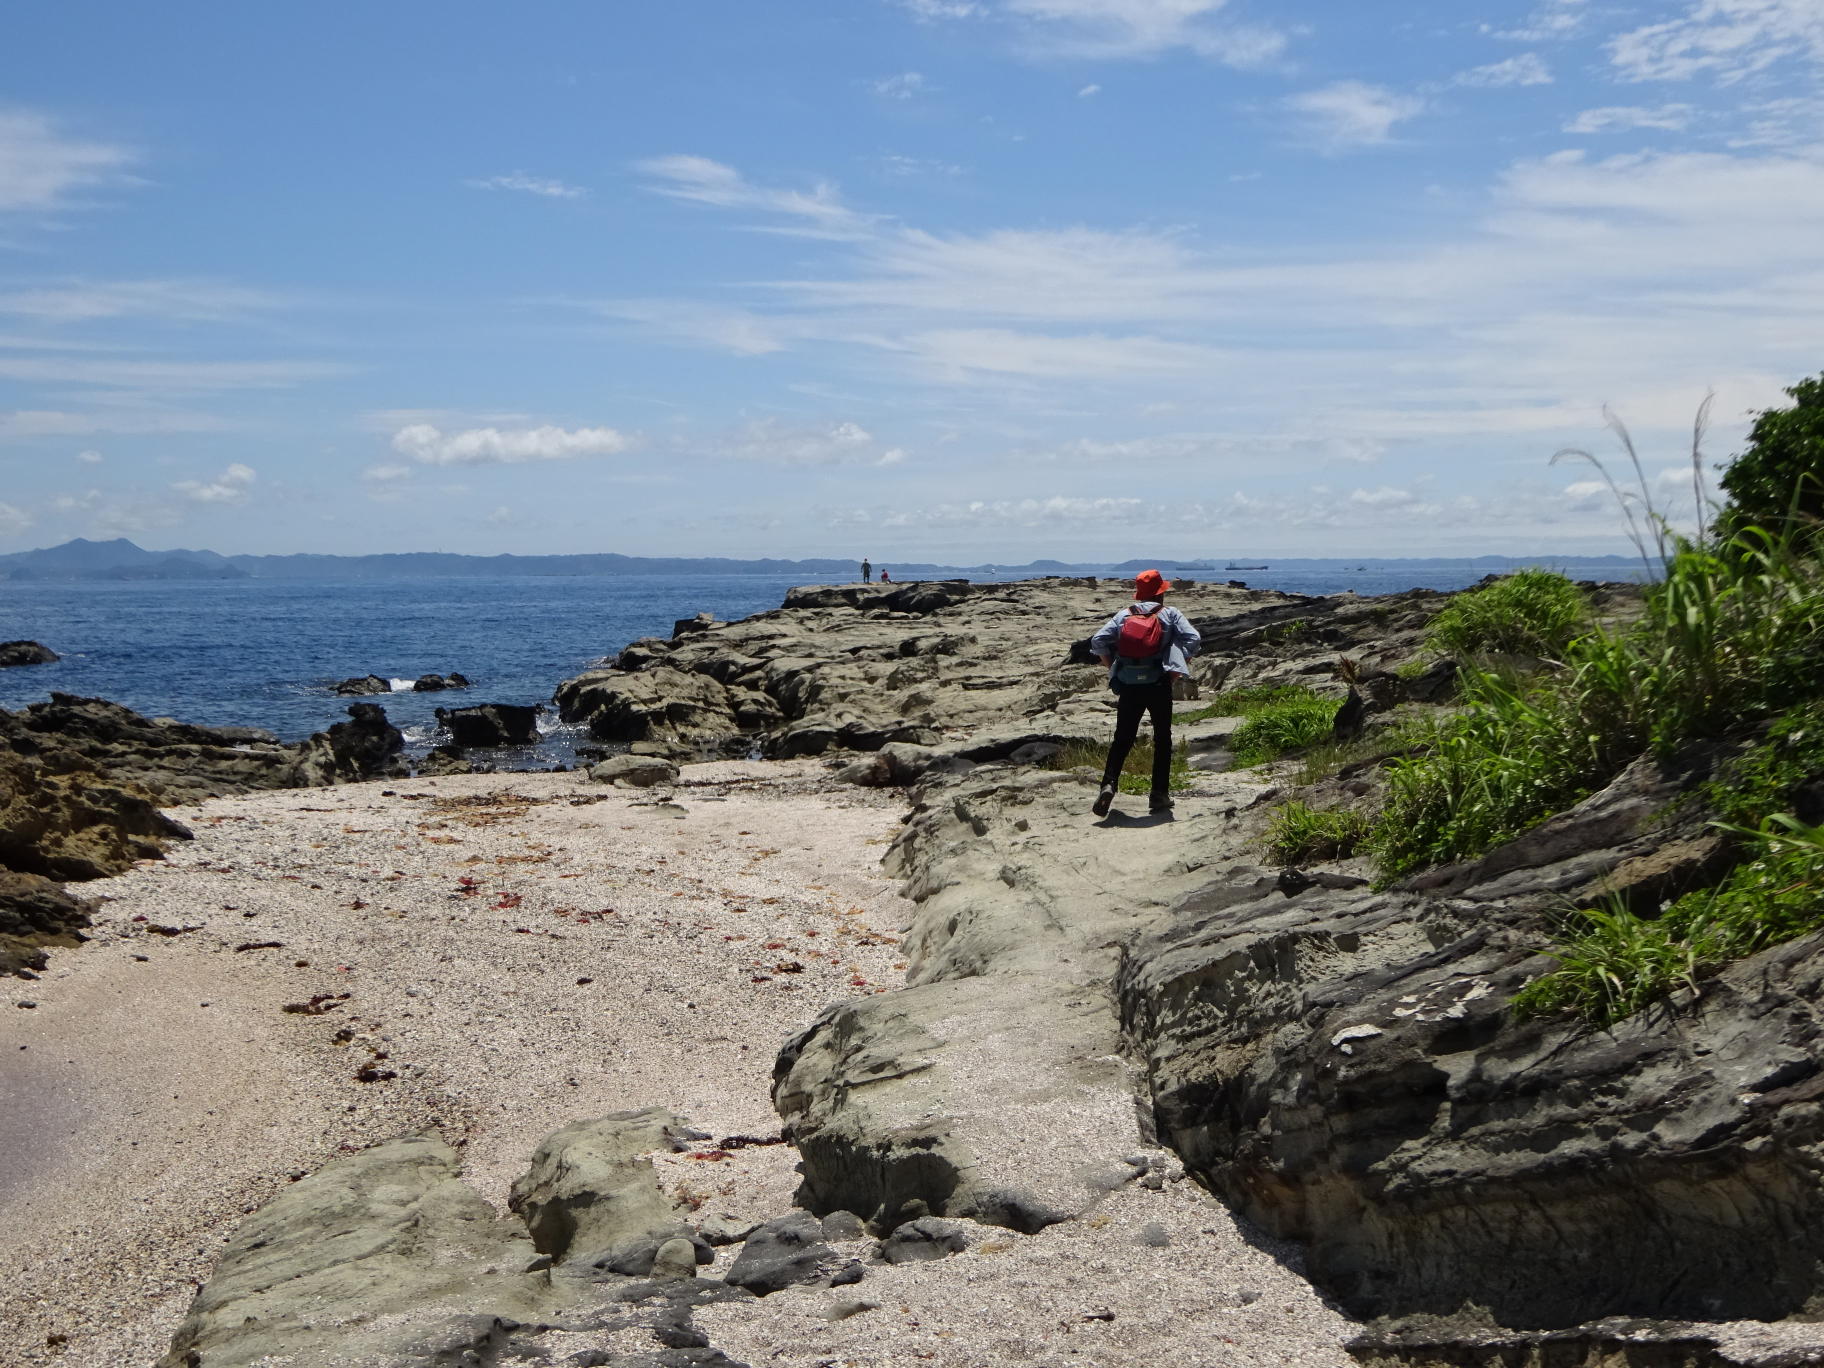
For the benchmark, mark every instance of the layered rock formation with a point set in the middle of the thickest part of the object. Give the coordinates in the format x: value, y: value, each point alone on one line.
x: 82, y: 781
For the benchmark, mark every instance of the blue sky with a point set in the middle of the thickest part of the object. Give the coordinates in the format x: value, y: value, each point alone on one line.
x: 933, y: 279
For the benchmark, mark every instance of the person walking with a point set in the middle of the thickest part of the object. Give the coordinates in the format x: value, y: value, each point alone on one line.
x: 1144, y: 647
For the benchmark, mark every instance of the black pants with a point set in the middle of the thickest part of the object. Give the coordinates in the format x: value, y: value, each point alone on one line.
x: 1134, y: 700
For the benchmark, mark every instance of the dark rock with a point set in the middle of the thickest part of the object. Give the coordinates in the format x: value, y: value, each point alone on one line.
x: 366, y: 684
x: 25, y: 653
x: 432, y: 683
x: 1613, y: 1343
x: 635, y: 771
x: 843, y: 1225
x: 490, y: 724
x: 782, y: 1253
x: 366, y: 746
x: 445, y: 760
x: 923, y: 1240
x: 35, y: 912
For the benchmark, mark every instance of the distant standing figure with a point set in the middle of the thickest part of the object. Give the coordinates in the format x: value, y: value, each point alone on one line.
x: 867, y: 572
x: 1144, y: 647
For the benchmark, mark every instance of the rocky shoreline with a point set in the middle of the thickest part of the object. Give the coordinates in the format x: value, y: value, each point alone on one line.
x: 1092, y: 1012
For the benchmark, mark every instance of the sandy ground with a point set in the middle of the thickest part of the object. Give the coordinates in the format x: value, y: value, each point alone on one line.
x: 489, y: 958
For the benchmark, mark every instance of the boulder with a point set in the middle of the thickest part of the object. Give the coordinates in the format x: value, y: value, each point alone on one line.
x: 35, y: 912
x: 26, y: 653
x: 635, y: 771
x: 365, y: 684
x: 62, y: 818
x: 591, y: 1193
x: 440, y: 760
x: 682, y: 710
x: 786, y: 1252
x: 385, y: 1256
x: 922, y: 1240
x: 432, y: 683
x: 366, y: 746
x: 490, y: 724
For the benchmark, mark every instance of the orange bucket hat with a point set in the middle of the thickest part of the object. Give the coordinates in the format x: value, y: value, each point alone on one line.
x: 1150, y: 584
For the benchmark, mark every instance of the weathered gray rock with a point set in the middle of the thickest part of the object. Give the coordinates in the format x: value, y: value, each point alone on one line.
x: 365, y: 684
x: 685, y: 711
x: 676, y: 1258
x: 922, y: 1240
x: 445, y: 760
x: 634, y: 771
x: 783, y: 1253
x: 386, y: 1256
x: 1619, y: 1342
x: 26, y: 653
x: 35, y: 912
x: 490, y: 724
x: 590, y: 1193
x: 366, y: 746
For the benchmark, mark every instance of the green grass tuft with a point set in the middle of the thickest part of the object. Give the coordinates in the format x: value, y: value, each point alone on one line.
x: 1136, y: 771
x: 1299, y: 832
x: 1532, y: 612
x: 1248, y: 701
x: 1277, y: 728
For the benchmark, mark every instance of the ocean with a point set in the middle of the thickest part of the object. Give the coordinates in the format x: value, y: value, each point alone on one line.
x: 268, y: 653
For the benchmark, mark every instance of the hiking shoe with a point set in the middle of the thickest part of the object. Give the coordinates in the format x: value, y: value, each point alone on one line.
x: 1159, y: 802
x: 1103, y: 799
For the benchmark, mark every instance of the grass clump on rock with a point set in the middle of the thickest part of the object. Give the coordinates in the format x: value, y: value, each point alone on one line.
x: 1136, y: 772
x: 1279, y: 718
x: 1298, y: 832
x: 1531, y: 612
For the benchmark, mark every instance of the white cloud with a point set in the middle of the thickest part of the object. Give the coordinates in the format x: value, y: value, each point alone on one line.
x: 901, y: 87
x: 1143, y: 28
x: 1553, y: 21
x: 1725, y: 39
x: 698, y: 180
x: 503, y: 517
x: 13, y: 520
x: 772, y: 442
x: 530, y: 185
x: 1003, y: 351
x: 1528, y: 69
x: 168, y: 376
x: 232, y: 486
x: 42, y: 169
x: 740, y: 331
x: 189, y: 301
x: 1622, y: 118
x: 894, y: 164
x: 28, y: 423
x: 929, y: 11
x: 387, y: 474
x: 1088, y: 91
x: 429, y: 445
x: 1351, y: 114
x: 89, y: 457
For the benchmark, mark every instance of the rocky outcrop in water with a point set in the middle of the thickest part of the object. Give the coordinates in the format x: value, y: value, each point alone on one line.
x: 434, y: 683
x: 490, y: 724
x: 364, y: 684
x: 26, y: 653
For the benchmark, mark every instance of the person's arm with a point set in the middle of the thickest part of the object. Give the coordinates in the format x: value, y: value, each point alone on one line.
x: 1102, y: 644
x: 1189, y: 638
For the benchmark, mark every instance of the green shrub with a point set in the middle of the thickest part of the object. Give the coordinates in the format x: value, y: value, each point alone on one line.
x: 1729, y: 635
x: 1299, y: 832
x: 1533, y: 612
x: 1288, y: 725
x: 1248, y: 701
x: 1136, y: 770
x: 1781, y: 474
x: 1614, y: 963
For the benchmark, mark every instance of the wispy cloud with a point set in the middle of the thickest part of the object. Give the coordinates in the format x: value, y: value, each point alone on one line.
x: 1115, y: 29
x: 1623, y: 118
x: 1528, y: 69
x: 529, y: 185
x: 930, y: 11
x: 89, y: 457
x: 189, y: 301
x: 1725, y: 39
x: 43, y: 168
x: 819, y: 211
x: 1553, y: 21
x: 1088, y: 91
x: 1348, y: 115
x: 168, y: 376
x: 232, y: 486
x: 13, y: 520
x: 772, y: 442
x: 430, y: 445
x: 904, y: 86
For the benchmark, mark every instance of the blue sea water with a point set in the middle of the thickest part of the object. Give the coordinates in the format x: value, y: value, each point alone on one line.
x: 268, y: 653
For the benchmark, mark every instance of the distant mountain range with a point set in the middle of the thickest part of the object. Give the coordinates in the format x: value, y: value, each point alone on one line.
x: 120, y: 559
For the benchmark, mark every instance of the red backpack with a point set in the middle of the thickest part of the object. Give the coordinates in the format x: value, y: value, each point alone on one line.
x: 1142, y: 636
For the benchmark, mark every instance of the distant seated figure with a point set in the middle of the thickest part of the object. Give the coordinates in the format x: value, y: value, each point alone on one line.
x: 885, y: 578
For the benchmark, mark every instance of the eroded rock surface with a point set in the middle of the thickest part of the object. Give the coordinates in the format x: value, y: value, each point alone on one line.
x: 26, y: 653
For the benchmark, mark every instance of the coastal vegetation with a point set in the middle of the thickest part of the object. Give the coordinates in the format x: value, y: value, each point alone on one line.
x: 1279, y: 718
x: 1298, y: 832
x: 1728, y: 646
x: 1136, y: 772
x: 1534, y: 613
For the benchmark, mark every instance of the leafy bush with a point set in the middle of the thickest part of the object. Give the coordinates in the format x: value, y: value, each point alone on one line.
x: 1288, y: 725
x: 1729, y: 635
x: 1781, y: 474
x: 1299, y: 832
x: 1533, y: 612
x: 1615, y: 962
